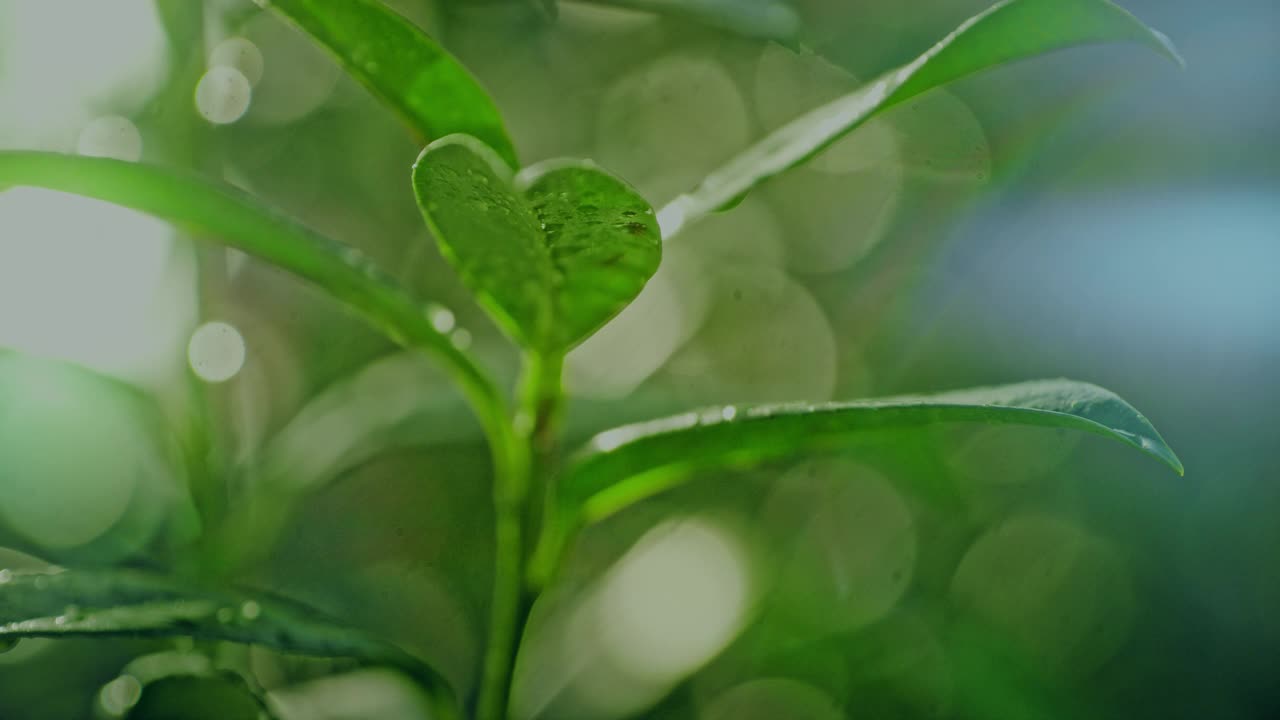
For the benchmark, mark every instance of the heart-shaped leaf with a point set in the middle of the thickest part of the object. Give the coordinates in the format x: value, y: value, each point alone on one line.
x: 552, y: 254
x: 1008, y: 31
x: 430, y: 90
x: 132, y: 603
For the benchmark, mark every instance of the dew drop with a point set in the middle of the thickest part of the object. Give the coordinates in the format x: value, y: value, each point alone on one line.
x: 224, y: 615
x: 461, y: 338
x: 441, y: 318
x: 250, y: 610
x: 5, y: 576
x: 728, y: 413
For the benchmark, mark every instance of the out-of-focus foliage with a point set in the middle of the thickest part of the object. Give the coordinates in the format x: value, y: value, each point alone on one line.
x: 973, y: 235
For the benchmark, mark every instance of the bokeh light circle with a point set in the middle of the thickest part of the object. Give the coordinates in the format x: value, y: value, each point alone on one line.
x: 223, y: 95
x: 216, y: 352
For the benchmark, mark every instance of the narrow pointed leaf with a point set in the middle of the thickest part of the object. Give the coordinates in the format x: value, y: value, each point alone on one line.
x: 552, y: 254
x: 235, y: 218
x: 627, y: 464
x: 430, y: 90
x: 762, y: 19
x: 128, y: 603
x: 1008, y: 31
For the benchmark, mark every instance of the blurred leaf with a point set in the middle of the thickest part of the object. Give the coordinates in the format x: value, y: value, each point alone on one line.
x: 430, y: 90
x: 1009, y: 30
x: 222, y: 696
x: 395, y: 401
x: 549, y: 9
x: 552, y: 254
x: 762, y: 19
x: 627, y: 464
x: 240, y: 221
x: 132, y: 603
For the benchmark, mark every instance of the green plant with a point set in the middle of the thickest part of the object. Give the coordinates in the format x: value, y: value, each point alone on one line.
x: 552, y: 252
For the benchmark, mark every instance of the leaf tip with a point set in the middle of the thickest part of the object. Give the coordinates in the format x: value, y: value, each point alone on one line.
x: 1170, y: 458
x: 1155, y: 446
x: 1164, y: 45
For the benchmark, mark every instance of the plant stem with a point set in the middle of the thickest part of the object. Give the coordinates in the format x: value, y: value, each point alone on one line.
x: 521, y: 475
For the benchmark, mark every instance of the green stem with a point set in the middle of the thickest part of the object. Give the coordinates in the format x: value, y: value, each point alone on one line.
x: 527, y: 464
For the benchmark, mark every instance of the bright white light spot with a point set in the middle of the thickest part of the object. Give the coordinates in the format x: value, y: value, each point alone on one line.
x: 120, y: 695
x: 111, y: 136
x: 61, y: 58
x: 93, y: 283
x: 216, y: 352
x: 239, y: 54
x: 441, y: 318
x: 223, y: 95
x: 673, y: 601
x: 611, y: 440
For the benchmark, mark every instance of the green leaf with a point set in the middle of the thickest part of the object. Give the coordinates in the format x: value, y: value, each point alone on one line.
x: 627, y: 464
x: 552, y: 254
x: 130, y: 603
x: 430, y: 90
x: 220, y: 696
x: 1010, y: 30
x: 235, y: 218
x: 761, y: 19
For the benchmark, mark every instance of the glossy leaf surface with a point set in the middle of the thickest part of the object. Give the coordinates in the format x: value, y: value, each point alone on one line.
x: 131, y: 604
x: 1008, y: 31
x: 552, y: 254
x: 430, y: 90
x: 627, y: 464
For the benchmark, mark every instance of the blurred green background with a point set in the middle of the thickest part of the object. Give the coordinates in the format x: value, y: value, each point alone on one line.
x: 1094, y: 214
